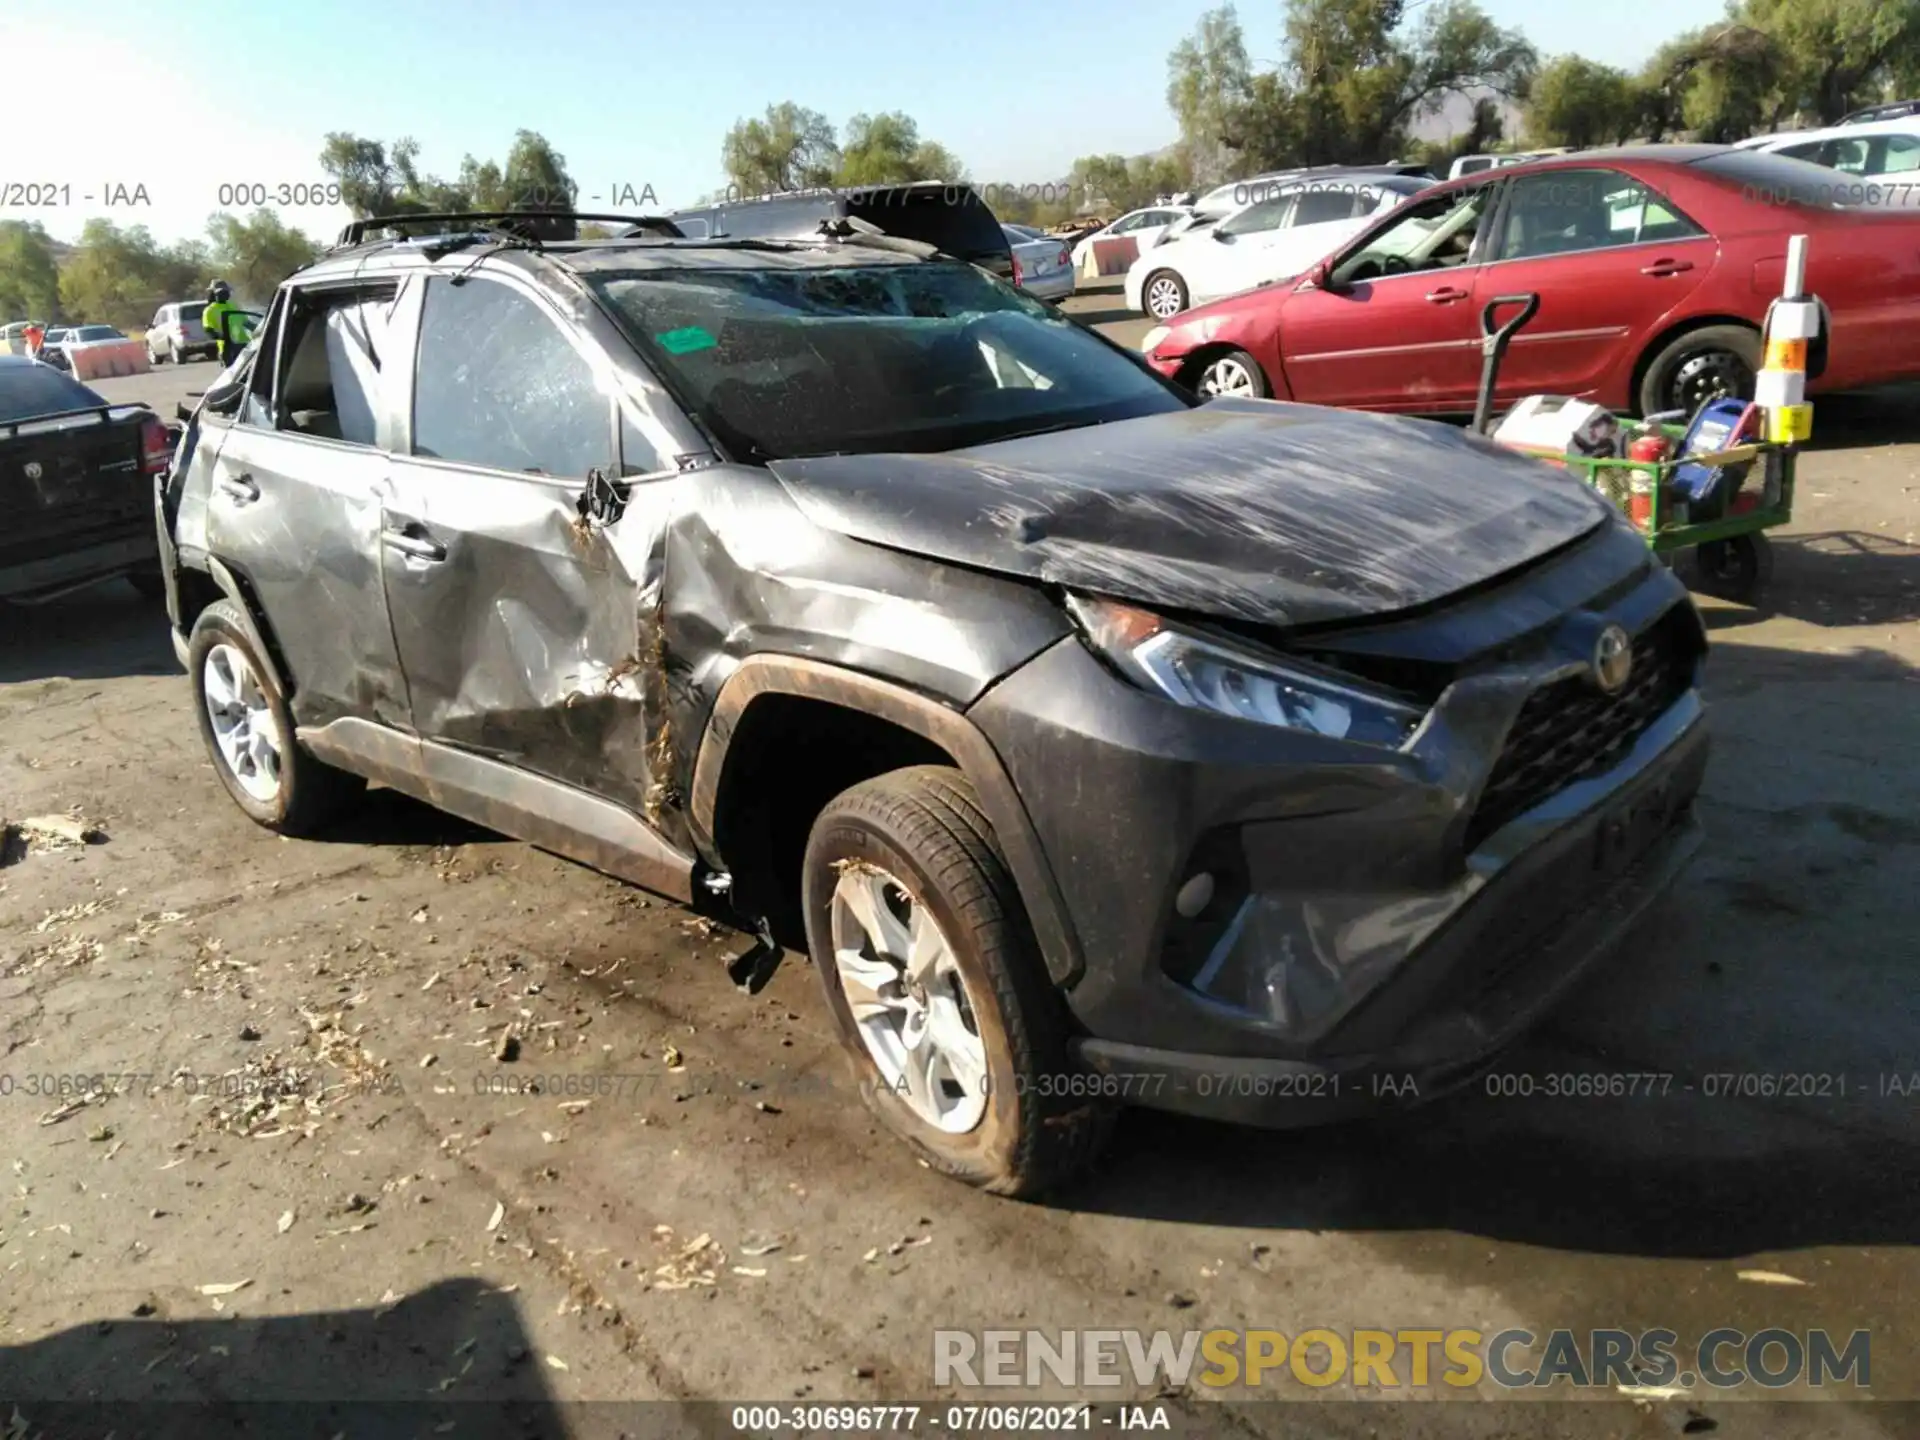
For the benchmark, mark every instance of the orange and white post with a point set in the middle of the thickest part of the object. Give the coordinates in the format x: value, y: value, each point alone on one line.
x: 1793, y: 321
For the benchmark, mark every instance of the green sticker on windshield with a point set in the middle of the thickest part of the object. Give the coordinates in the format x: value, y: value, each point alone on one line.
x: 686, y: 339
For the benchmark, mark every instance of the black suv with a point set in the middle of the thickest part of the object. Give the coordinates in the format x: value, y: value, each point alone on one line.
x: 1097, y: 744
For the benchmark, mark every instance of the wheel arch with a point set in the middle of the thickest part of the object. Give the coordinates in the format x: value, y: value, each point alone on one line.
x: 234, y: 586
x: 892, y: 726
x: 1202, y: 356
x: 1644, y: 361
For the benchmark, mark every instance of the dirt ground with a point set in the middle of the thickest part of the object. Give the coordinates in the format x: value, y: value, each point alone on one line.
x: 311, y: 1175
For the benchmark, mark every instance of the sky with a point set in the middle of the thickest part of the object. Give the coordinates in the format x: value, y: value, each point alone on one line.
x: 635, y: 96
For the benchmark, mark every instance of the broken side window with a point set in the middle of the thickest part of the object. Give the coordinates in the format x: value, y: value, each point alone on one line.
x: 332, y: 363
x: 499, y: 386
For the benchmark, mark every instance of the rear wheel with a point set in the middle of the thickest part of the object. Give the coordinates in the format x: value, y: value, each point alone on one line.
x: 1716, y: 362
x: 1164, y: 294
x: 956, y: 1036
x: 173, y: 351
x: 1233, y: 373
x: 248, y: 731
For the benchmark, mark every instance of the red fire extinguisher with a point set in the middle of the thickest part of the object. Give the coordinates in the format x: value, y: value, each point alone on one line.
x: 1646, y: 451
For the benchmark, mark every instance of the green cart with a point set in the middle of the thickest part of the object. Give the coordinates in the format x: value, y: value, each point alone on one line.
x: 1728, y: 556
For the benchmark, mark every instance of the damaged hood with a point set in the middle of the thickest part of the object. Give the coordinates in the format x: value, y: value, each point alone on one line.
x: 1270, y: 513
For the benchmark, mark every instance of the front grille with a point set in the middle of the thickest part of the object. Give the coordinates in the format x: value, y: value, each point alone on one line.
x: 1571, y: 729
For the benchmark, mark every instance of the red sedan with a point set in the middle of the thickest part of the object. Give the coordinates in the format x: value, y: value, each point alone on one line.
x: 1654, y: 266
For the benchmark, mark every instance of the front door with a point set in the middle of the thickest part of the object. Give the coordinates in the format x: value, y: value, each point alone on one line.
x: 523, y: 625
x: 1609, y: 258
x: 1396, y: 330
x: 295, y: 499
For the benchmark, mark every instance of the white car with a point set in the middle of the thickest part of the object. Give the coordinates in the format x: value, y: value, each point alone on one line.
x: 1869, y: 149
x: 1042, y: 267
x: 1145, y: 227
x: 1271, y: 239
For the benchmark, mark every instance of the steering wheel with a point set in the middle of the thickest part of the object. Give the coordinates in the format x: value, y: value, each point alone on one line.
x: 1395, y: 265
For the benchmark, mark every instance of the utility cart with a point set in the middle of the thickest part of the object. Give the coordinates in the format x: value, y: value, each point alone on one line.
x: 1708, y: 485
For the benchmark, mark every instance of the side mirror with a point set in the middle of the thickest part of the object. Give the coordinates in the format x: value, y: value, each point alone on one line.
x: 1321, y: 278
x: 225, y: 399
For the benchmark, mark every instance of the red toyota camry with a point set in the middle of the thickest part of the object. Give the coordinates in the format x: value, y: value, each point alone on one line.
x: 1654, y: 265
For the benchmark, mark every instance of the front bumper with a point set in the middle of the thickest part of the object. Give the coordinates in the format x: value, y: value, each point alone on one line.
x: 1362, y: 922
x: 1497, y: 968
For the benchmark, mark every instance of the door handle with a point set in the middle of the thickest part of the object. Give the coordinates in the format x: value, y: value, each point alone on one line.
x: 1445, y: 295
x: 241, y: 489
x: 420, y: 547
x: 1660, y: 269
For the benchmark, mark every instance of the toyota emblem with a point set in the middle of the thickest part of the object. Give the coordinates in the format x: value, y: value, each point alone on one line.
x: 1612, y: 660
x: 33, y: 469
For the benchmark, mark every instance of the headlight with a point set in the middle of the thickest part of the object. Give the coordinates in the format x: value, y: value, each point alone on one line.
x: 1210, y: 674
x: 1152, y: 338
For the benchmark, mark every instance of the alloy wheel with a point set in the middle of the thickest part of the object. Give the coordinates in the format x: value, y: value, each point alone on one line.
x: 1163, y: 297
x: 244, y: 727
x: 910, y: 1003
x: 1228, y: 376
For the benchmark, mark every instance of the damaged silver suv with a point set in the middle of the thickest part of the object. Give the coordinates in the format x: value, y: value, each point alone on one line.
x: 1099, y: 746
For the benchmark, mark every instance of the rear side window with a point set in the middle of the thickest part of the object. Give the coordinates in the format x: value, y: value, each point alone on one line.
x: 1902, y: 155
x: 1319, y: 207
x: 333, y: 365
x: 28, y: 390
x: 497, y: 385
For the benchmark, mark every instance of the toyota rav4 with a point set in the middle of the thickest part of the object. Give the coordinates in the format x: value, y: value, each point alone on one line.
x: 1098, y: 745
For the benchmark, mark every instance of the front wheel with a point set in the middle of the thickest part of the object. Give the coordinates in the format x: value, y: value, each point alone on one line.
x: 1233, y: 373
x: 955, y: 1034
x: 1164, y: 294
x: 248, y: 731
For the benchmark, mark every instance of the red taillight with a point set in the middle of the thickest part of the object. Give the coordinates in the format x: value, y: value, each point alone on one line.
x: 1065, y: 262
x: 156, y: 446
x: 1017, y: 276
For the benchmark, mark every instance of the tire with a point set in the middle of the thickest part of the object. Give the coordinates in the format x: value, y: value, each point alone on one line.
x: 151, y: 584
x: 1690, y: 368
x: 1171, y: 298
x: 305, y: 793
x: 1734, y: 569
x: 173, y: 352
x: 1232, y: 372
x: 916, y: 842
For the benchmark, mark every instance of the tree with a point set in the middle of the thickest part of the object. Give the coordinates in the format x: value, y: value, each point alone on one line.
x: 1353, y: 80
x: 116, y: 277
x: 376, y: 179
x: 791, y: 148
x: 886, y: 149
x: 1696, y: 72
x: 256, y: 254
x: 1836, y: 54
x: 1208, y: 84
x: 29, y: 273
x: 1115, y: 183
x: 1581, y: 103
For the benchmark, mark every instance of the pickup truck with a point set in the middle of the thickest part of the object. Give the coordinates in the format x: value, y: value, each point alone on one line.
x: 77, y: 484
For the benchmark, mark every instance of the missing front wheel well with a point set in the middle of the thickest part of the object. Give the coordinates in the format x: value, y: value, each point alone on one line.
x: 789, y: 756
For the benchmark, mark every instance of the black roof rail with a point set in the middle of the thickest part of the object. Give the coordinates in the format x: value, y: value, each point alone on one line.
x: 529, y: 224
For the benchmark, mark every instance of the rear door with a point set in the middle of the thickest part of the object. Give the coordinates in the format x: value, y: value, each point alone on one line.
x: 1610, y: 258
x: 1324, y: 217
x: 295, y: 497
x: 517, y: 620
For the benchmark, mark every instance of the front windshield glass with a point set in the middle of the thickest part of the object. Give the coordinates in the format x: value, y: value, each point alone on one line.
x: 856, y: 359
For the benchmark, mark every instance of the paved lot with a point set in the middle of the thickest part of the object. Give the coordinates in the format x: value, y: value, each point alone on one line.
x: 406, y: 1232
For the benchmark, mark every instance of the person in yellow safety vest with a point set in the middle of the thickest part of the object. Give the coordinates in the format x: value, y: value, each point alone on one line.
x: 226, y: 323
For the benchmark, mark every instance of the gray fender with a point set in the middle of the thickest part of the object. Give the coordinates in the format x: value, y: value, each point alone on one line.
x: 761, y: 675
